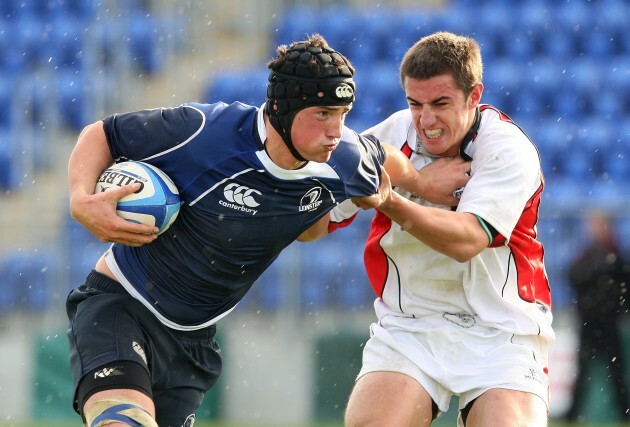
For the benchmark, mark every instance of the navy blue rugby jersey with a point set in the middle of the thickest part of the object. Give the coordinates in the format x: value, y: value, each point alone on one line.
x: 239, y: 209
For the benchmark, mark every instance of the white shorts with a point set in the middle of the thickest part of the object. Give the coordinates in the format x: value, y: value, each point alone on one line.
x: 452, y: 354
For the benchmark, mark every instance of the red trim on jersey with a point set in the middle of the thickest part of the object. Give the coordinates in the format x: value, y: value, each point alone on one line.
x: 406, y: 149
x: 374, y: 256
x: 532, y: 281
x: 502, y: 115
x: 332, y: 226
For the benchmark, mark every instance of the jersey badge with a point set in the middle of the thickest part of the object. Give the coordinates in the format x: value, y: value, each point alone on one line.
x: 240, y: 198
x: 310, y: 201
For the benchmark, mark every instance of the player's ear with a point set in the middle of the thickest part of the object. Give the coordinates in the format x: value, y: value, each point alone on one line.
x: 475, y: 95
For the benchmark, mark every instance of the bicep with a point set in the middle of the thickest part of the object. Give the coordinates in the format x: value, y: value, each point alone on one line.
x: 397, y: 165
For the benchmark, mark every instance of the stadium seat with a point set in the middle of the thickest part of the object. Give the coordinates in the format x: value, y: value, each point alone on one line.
x: 268, y: 291
x: 66, y: 46
x: 618, y: 74
x: 530, y: 104
x: 75, y: 109
x: 608, y: 103
x: 33, y: 277
x: 616, y: 162
x: 544, y: 75
x: 559, y: 44
x: 520, y: 44
x: 295, y: 23
x: 144, y: 43
x: 246, y: 85
x: 575, y: 16
x: 598, y: 44
x: 586, y: 75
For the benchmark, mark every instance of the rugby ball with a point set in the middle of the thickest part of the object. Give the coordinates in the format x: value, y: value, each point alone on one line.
x: 155, y: 203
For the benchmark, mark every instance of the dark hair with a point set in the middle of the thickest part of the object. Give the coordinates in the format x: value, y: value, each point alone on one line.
x: 444, y: 53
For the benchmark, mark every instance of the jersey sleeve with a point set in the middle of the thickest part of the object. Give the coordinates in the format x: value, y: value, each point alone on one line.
x: 394, y: 130
x: 342, y: 215
x: 142, y: 134
x: 357, y: 162
x: 505, y: 174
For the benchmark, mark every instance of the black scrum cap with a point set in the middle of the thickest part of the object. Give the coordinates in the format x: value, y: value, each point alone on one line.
x: 309, y: 76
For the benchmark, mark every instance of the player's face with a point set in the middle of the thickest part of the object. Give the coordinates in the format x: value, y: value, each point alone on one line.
x: 441, y: 113
x: 316, y: 131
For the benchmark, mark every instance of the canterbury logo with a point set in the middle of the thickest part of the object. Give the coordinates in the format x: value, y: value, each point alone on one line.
x: 240, y: 198
x: 242, y: 195
x: 344, y: 91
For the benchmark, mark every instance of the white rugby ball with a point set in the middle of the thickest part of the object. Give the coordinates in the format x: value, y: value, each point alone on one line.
x: 155, y: 203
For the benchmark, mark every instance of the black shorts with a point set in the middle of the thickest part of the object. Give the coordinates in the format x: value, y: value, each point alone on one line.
x: 109, y: 329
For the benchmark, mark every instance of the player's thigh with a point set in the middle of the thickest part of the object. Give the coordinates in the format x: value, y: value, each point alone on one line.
x: 503, y: 408
x: 388, y: 399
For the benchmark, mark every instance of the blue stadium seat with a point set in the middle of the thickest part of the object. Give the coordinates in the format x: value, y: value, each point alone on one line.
x: 533, y: 15
x: 66, y: 46
x: 268, y: 291
x: 559, y: 44
x: 530, y: 104
x: 616, y: 161
x: 491, y: 47
x: 494, y: 17
x: 144, y: 48
x: 503, y: 80
x: 608, y: 103
x: 32, y: 276
x: 81, y: 250
x: 247, y: 85
x: 544, y: 75
x: 520, y: 44
x: 586, y: 75
x: 11, y: 164
x: 575, y: 16
x: 295, y: 23
x: 75, y: 109
x: 598, y: 44
x: 618, y: 74
x: 340, y: 26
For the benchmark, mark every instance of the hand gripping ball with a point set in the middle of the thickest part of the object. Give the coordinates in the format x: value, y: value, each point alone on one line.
x: 155, y: 203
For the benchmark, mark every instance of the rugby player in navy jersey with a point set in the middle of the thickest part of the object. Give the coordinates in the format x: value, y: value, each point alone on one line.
x: 142, y: 326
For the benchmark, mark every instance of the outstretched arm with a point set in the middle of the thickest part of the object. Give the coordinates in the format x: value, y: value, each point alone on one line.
x: 435, y: 182
x: 455, y: 234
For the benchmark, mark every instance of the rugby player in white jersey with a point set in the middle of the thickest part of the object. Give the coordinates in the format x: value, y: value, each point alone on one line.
x: 463, y: 301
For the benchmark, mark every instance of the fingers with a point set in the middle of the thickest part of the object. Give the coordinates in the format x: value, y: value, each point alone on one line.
x: 125, y: 190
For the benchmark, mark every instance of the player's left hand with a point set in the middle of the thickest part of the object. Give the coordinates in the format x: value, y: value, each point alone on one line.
x: 383, y: 194
x: 445, y: 178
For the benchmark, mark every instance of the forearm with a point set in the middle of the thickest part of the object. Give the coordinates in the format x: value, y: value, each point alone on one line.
x: 401, y: 172
x: 434, y: 182
x: 88, y: 159
x: 457, y: 235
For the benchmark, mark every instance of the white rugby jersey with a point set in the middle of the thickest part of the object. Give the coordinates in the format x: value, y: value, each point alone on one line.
x: 505, y: 286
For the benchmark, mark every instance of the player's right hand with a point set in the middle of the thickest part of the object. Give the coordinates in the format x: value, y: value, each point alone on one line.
x: 97, y: 213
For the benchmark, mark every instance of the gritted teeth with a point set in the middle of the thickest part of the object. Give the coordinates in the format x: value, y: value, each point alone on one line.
x: 434, y: 133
